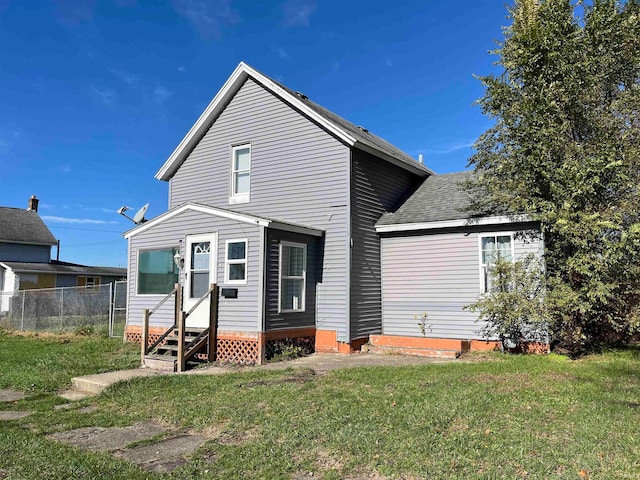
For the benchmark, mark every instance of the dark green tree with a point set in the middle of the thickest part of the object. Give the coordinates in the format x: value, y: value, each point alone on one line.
x: 565, y: 151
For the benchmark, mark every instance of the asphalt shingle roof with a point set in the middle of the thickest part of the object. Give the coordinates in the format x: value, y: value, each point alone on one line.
x: 361, y: 134
x: 439, y: 198
x: 24, y: 226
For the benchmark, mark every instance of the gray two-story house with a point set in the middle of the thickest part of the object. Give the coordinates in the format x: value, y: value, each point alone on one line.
x: 276, y: 200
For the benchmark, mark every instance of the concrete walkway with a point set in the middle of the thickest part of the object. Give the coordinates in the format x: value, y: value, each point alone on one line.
x: 90, y: 385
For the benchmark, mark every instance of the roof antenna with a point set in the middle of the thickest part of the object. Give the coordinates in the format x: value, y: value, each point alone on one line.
x: 138, y: 218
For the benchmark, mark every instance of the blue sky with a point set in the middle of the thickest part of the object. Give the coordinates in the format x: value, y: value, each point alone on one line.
x: 96, y: 94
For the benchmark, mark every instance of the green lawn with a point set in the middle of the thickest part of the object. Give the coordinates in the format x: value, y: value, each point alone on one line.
x: 504, y: 417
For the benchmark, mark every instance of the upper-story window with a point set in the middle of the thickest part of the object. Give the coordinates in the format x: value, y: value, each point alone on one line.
x: 492, y: 248
x: 240, y: 173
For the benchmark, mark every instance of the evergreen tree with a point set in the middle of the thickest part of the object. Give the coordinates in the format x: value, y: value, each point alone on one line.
x: 565, y: 150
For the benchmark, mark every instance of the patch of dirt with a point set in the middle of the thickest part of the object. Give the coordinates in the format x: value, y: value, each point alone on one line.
x: 457, y: 425
x: 367, y: 474
x: 211, y: 432
x: 326, y: 461
x: 239, y: 439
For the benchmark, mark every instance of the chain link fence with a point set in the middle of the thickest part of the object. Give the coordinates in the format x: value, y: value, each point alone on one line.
x: 94, y: 309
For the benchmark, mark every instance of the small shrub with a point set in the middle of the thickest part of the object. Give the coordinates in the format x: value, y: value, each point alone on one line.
x: 514, y: 309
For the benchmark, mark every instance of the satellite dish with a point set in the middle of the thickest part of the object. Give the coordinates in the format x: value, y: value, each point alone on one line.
x: 138, y: 218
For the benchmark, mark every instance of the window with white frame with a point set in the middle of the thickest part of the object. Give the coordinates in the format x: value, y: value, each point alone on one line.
x: 235, y: 263
x: 240, y: 173
x: 492, y: 248
x: 293, y: 274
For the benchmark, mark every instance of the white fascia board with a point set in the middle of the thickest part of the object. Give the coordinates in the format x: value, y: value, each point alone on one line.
x: 287, y: 227
x: 228, y: 90
x: 464, y: 222
x: 240, y: 217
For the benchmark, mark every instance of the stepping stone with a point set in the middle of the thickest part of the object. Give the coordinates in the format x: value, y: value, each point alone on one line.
x: 108, y: 439
x: 164, y: 456
x: 13, y: 415
x: 7, y: 395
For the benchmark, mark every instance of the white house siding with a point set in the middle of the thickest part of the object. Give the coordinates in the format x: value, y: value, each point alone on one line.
x: 437, y: 274
x: 377, y: 187
x: 238, y: 314
x: 8, y: 286
x: 299, y: 173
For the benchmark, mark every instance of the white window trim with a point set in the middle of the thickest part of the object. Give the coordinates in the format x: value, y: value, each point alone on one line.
x: 235, y: 198
x: 228, y: 262
x: 140, y: 250
x: 304, y: 278
x: 481, y: 265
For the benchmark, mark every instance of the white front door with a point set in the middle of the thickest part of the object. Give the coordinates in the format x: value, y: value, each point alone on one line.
x: 200, y: 269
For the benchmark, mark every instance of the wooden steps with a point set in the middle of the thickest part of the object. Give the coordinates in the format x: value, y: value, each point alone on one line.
x: 165, y: 356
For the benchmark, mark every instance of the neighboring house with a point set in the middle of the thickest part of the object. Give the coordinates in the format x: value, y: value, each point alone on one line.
x: 276, y: 199
x: 25, y: 257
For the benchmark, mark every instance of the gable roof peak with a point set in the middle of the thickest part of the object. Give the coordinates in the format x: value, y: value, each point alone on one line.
x: 342, y: 129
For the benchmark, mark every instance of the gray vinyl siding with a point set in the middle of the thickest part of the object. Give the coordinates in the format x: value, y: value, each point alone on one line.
x: 279, y: 321
x: 376, y: 188
x: 299, y: 174
x: 238, y: 314
x: 436, y: 274
x: 19, y: 252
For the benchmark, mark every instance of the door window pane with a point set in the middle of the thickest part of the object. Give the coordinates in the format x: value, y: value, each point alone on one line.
x: 200, y: 264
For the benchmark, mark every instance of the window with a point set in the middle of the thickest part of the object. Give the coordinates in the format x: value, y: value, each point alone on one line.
x: 293, y: 272
x: 88, y: 282
x: 157, y: 272
x: 199, y: 267
x: 235, y: 264
x: 492, y: 248
x: 240, y: 174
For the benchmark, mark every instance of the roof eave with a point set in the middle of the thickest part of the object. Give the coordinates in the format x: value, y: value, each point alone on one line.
x: 19, y: 242
x: 463, y: 222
